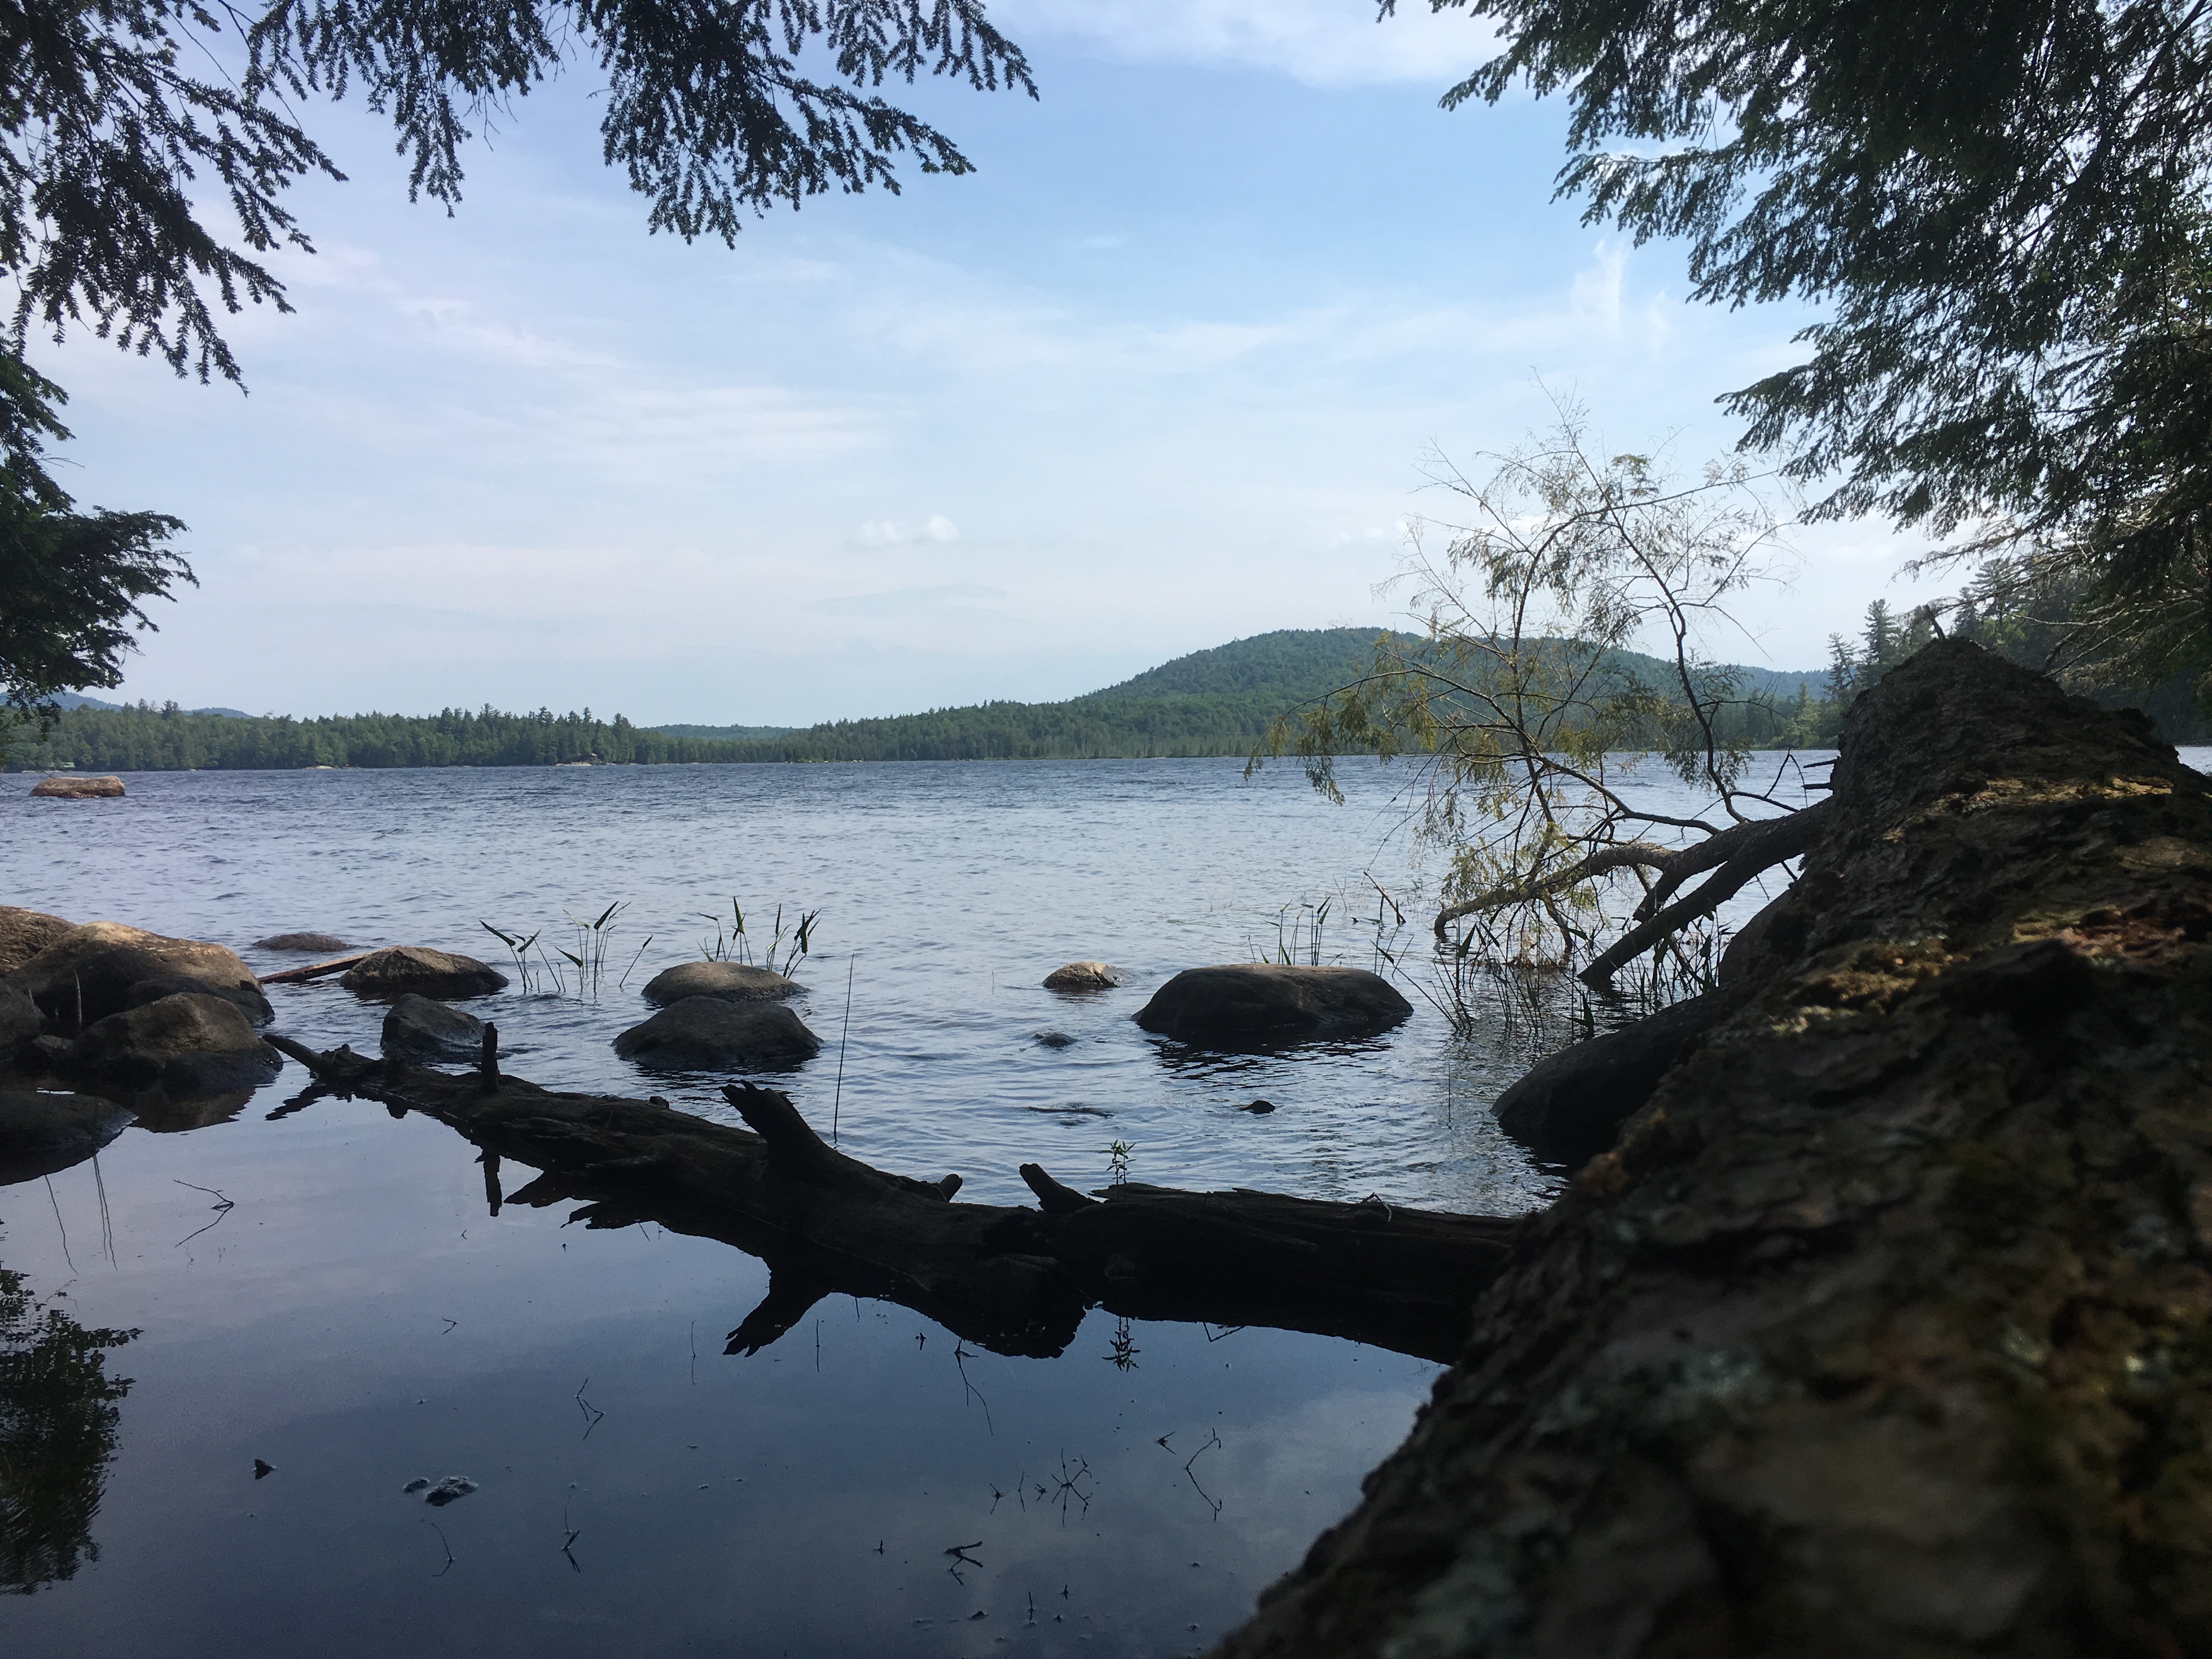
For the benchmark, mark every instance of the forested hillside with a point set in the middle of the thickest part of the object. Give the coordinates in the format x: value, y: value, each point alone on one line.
x: 1217, y: 701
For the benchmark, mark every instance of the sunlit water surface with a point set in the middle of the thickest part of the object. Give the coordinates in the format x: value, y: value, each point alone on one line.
x: 358, y: 1320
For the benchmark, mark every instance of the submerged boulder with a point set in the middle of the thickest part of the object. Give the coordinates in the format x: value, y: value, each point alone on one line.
x: 322, y: 942
x: 1569, y: 1107
x: 103, y: 968
x: 1262, y: 1002
x: 1083, y: 976
x: 186, y: 1045
x: 400, y: 968
x: 42, y: 1134
x: 732, y: 981
x: 24, y: 933
x: 708, y: 1034
x: 69, y: 786
x: 418, y: 1029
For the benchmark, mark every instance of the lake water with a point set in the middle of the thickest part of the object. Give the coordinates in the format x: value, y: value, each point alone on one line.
x: 357, y: 1320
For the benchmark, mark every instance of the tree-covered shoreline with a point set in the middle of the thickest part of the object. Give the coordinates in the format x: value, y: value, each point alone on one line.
x: 1212, y: 702
x: 1219, y: 702
x: 1207, y: 704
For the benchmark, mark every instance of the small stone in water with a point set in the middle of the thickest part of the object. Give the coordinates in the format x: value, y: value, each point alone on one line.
x: 1056, y: 1039
x: 418, y: 1484
x: 260, y: 1468
x: 1260, y: 1106
x: 452, y: 1486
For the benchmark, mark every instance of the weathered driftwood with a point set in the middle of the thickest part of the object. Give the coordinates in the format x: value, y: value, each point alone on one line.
x: 1887, y: 1326
x: 316, y: 969
x: 1014, y: 1279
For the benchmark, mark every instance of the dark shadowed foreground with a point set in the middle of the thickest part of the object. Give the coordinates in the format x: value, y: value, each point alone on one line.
x: 1883, y: 1328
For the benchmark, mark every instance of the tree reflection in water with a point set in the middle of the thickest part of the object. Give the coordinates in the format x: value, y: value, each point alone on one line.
x: 58, y: 1421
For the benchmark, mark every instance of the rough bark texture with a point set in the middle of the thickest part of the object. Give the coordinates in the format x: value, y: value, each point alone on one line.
x: 1013, y: 1280
x: 1887, y: 1327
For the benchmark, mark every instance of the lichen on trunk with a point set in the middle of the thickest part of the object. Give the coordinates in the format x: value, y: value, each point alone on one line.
x: 1886, y: 1328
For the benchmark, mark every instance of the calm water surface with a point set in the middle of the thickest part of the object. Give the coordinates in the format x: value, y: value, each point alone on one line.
x: 357, y: 1320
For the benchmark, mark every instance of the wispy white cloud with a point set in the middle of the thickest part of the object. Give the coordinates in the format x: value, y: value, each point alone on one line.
x: 1322, y: 42
x: 891, y: 532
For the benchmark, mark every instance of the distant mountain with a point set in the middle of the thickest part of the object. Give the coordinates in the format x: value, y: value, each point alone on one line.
x: 77, y: 700
x: 1217, y: 701
x: 1293, y: 664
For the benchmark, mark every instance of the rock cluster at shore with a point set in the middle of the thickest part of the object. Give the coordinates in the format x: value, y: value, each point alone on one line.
x: 103, y: 968
x: 165, y: 1028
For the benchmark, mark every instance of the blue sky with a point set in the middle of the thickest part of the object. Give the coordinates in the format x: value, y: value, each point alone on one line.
x: 1160, y: 374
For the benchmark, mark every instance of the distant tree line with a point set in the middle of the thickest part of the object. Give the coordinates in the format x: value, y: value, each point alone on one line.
x: 146, y: 738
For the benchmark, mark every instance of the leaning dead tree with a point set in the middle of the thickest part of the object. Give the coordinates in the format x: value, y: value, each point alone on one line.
x: 1013, y: 1279
x: 1885, y: 1326
x: 1530, y: 712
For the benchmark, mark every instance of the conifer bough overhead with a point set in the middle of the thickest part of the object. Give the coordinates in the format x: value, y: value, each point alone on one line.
x: 118, y: 114
x: 2004, y: 205
x: 124, y: 123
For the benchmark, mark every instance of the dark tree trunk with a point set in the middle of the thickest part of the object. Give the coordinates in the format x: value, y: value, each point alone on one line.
x: 1014, y: 1279
x: 1886, y: 1328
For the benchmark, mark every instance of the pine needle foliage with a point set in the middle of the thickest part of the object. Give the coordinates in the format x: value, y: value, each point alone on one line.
x: 2003, y: 208
x: 71, y: 584
x: 146, y: 146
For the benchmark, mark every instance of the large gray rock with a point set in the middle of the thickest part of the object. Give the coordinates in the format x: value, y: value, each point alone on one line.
x: 732, y: 981
x: 103, y: 968
x: 1260, y: 1003
x: 24, y: 933
x: 20, y: 1021
x: 41, y: 1133
x: 401, y: 969
x: 1569, y: 1107
x: 319, y: 943
x: 418, y: 1029
x: 185, y: 1046
x: 708, y: 1034
x: 1083, y: 976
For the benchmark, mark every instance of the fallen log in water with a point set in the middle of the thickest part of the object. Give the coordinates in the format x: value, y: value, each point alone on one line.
x: 1014, y: 1279
x: 1886, y: 1326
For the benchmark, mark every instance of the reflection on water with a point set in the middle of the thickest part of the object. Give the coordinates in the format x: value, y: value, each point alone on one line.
x: 325, y: 1292
x: 57, y: 1420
